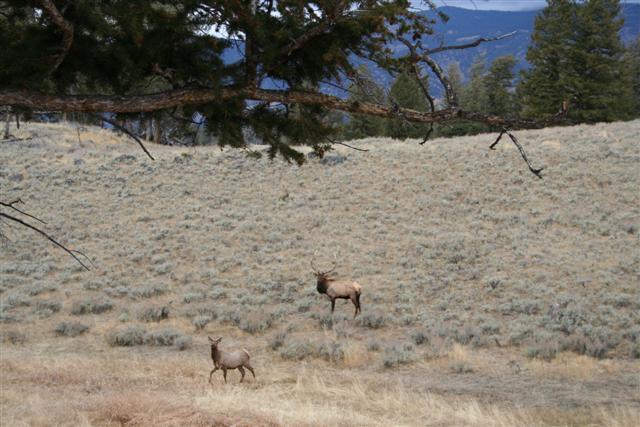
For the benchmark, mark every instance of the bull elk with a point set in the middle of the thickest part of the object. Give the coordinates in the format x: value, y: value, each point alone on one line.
x: 337, y: 289
x: 230, y: 359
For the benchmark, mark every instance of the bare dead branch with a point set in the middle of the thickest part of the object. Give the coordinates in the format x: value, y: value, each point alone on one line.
x: 10, y: 205
x: 475, y: 43
x: 535, y: 171
x: 334, y: 142
x: 47, y: 236
x: 493, y: 146
x: 67, y: 32
x: 452, y: 99
x: 429, y: 132
x: 126, y: 131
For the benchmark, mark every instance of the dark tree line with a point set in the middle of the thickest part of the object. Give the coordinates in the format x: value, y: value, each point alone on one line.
x: 577, y: 59
x: 166, y: 58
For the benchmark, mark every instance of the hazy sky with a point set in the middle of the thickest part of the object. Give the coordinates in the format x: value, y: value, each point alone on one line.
x: 497, y: 4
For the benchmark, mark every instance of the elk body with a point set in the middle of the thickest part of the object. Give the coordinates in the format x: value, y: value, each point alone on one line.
x: 338, y: 289
x: 230, y: 359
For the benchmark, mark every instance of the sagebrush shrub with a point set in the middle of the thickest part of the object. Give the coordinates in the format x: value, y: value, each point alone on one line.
x: 91, y: 306
x: 71, y: 329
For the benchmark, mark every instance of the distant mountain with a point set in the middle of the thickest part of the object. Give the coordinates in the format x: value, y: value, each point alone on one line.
x: 466, y: 25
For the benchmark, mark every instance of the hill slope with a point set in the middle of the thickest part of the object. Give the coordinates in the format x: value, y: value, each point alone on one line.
x: 490, y: 297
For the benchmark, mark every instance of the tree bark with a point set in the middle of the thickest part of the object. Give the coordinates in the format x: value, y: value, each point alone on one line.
x: 149, y: 130
x: 156, y: 131
x: 180, y: 97
x: 7, y: 122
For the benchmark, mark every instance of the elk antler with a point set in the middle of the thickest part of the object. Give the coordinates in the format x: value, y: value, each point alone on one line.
x: 335, y: 264
x: 316, y: 271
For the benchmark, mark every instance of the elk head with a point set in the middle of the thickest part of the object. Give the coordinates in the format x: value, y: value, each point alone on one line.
x: 323, y: 277
x: 214, y: 343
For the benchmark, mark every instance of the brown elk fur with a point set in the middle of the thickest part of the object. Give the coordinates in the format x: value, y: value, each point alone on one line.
x: 229, y: 359
x: 339, y: 289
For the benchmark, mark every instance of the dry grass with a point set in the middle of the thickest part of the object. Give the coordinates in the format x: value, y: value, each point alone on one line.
x: 469, y: 265
x: 572, y: 366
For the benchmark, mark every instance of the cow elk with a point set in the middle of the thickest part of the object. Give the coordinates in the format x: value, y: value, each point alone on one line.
x: 229, y: 359
x: 337, y: 289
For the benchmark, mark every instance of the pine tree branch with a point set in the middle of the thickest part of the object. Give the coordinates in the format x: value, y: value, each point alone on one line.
x: 418, y: 54
x: 200, y: 96
x: 317, y: 30
x: 67, y: 32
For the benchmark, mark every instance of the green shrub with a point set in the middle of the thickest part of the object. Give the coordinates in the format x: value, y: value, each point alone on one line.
x: 47, y: 308
x: 148, y: 291
x: 373, y: 345
x: 278, y: 340
x: 460, y: 368
x: 163, y: 337
x: 193, y: 297
x: 398, y: 355
x: 635, y: 350
x: 297, y: 350
x: 255, y: 322
x: 71, y: 329
x: 13, y: 337
x: 133, y: 335
x: 154, y: 313
x: 182, y: 343
x: 371, y: 320
x: 91, y: 306
x: 200, y: 322
x: 331, y: 351
x: 544, y: 351
x: 420, y: 337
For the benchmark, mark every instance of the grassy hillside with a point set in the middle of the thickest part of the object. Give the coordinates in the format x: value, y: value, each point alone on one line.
x: 490, y: 297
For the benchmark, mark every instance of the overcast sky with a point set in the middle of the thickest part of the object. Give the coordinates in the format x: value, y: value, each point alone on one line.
x: 496, y: 4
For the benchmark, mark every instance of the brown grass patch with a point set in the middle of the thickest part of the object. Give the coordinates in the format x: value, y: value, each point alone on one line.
x: 571, y: 366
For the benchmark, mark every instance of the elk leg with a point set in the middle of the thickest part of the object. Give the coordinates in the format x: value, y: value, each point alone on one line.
x: 355, y: 305
x: 241, y: 369
x: 333, y: 304
x: 211, y: 373
x: 358, y: 303
x: 251, y: 370
x: 224, y: 374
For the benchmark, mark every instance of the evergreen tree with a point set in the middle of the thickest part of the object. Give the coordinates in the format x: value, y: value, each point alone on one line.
x: 100, y: 56
x: 474, y: 95
x: 455, y: 77
x: 577, y: 56
x: 545, y: 86
x: 632, y: 61
x: 499, y: 88
x: 406, y: 92
x: 366, y: 90
x: 457, y: 83
x: 602, y: 91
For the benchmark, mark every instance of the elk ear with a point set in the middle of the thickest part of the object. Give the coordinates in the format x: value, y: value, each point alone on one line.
x: 210, y: 339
